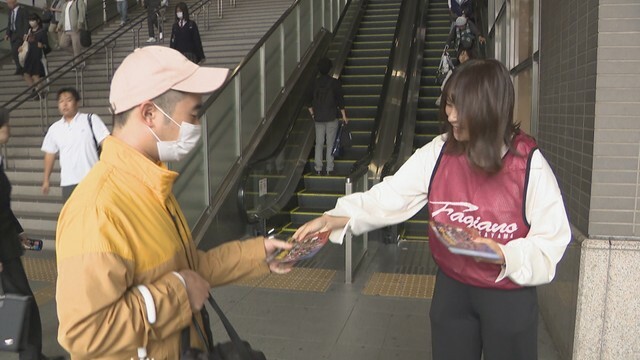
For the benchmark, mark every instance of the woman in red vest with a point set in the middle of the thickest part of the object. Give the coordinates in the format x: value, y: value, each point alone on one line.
x: 486, y: 176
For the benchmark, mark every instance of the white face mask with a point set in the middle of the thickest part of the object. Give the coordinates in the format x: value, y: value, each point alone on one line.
x: 179, y: 15
x: 176, y: 150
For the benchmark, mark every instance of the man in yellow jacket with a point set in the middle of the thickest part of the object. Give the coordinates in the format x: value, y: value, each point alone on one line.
x: 129, y: 274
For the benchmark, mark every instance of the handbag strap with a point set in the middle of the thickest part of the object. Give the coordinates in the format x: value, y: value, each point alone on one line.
x: 233, y: 335
x: 93, y: 133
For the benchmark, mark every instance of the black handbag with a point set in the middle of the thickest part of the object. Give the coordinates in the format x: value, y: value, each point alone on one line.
x: 343, y: 140
x: 236, y: 349
x: 13, y: 318
x: 85, y: 35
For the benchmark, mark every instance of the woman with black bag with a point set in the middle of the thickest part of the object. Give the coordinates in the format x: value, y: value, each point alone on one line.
x: 38, y: 42
x: 185, y: 36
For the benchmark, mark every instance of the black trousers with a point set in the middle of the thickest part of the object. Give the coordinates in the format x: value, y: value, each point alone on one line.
x: 467, y: 321
x: 14, y: 281
x: 152, y: 16
x: 15, y: 44
x: 67, y: 191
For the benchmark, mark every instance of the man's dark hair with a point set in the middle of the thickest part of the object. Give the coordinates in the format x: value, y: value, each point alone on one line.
x: 69, y: 90
x: 34, y: 16
x: 324, y: 66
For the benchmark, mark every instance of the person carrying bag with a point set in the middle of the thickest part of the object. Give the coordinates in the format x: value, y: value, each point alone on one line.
x: 236, y: 349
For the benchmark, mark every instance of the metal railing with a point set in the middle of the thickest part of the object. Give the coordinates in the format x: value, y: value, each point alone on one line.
x: 238, y: 115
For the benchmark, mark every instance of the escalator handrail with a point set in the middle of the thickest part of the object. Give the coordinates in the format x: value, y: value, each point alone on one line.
x: 361, y: 166
x: 403, y: 140
x: 339, y: 62
x: 109, y: 39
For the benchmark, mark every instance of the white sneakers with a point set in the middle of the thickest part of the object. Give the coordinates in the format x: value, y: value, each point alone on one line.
x: 151, y: 40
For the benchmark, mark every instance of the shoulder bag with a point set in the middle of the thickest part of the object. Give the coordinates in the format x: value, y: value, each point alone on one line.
x: 236, y: 349
x: 93, y: 134
x: 13, y: 318
x: 85, y: 34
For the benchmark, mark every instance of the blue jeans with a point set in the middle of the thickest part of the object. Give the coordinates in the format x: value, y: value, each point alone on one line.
x: 122, y: 10
x: 328, y: 131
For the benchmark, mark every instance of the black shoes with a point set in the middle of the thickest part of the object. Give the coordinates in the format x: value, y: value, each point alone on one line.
x: 328, y: 173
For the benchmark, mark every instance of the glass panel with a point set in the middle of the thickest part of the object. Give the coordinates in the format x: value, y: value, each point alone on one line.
x: 522, y: 111
x: 305, y: 24
x: 523, y: 29
x: 317, y: 16
x: 290, y: 45
x: 273, y: 67
x: 190, y: 188
x: 251, y: 99
x: 222, y: 135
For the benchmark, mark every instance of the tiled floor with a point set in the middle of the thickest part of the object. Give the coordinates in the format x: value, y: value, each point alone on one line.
x: 339, y: 323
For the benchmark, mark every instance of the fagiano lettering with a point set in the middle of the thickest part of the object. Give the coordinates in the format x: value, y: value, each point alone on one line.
x: 462, y: 213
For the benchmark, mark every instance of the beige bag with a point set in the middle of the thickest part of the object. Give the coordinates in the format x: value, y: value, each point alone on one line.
x: 22, y: 52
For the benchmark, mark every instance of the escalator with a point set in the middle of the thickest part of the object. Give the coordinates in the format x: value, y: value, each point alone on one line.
x: 362, y: 80
x: 427, y: 122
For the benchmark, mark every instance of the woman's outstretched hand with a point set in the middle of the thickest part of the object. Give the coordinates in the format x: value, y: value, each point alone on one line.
x: 320, y: 224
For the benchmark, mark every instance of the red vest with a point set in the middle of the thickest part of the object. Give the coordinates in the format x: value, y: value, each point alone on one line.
x: 494, y: 205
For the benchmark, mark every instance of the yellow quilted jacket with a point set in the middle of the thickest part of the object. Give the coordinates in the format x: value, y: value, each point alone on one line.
x: 121, y: 228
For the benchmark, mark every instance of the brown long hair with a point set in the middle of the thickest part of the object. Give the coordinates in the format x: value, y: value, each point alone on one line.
x: 483, y: 95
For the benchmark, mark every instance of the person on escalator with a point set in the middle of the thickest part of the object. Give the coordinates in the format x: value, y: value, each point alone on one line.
x: 325, y: 100
x: 463, y: 34
x: 486, y: 176
x: 463, y: 56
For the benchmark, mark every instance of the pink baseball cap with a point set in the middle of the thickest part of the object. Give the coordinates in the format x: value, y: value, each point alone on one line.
x: 153, y: 70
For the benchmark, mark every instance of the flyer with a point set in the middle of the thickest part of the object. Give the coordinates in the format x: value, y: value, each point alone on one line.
x: 303, y: 249
x: 460, y: 241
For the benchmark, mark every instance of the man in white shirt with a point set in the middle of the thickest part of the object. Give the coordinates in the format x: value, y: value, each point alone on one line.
x: 76, y: 136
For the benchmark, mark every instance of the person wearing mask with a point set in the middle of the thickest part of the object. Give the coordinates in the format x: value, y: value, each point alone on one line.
x: 35, y: 62
x: 486, y: 176
x: 17, y: 28
x: 326, y: 100
x: 185, y: 36
x: 129, y: 274
x: 12, y: 275
x: 72, y: 20
x: 76, y: 136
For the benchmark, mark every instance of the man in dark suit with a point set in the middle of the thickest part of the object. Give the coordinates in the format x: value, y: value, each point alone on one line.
x: 16, y: 29
x: 12, y: 274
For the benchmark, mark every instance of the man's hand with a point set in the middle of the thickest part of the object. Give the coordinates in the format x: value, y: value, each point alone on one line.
x: 0, y: 267
x: 45, y: 187
x: 24, y: 239
x: 270, y: 246
x: 6, y: 38
x: 197, y: 289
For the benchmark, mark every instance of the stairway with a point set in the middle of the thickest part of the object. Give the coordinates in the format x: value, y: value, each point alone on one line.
x: 226, y: 43
x: 427, y: 121
x: 362, y: 79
